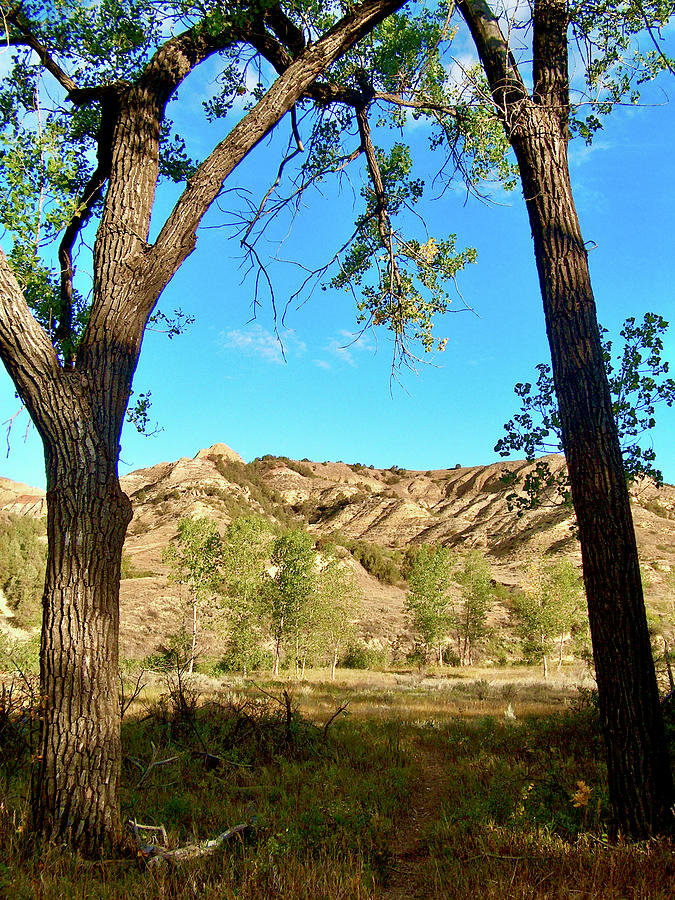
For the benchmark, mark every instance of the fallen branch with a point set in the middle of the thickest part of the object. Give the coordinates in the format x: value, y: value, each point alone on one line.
x: 195, y: 851
x: 155, y: 763
x: 158, y: 853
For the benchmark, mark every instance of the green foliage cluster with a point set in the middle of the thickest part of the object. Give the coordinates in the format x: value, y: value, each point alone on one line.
x: 551, y: 610
x: 278, y: 600
x: 364, y: 656
x: 268, y: 461
x: 658, y: 509
x: 381, y: 562
x: 194, y: 560
x: 474, y: 577
x: 20, y: 655
x: 429, y: 601
x: 638, y: 382
x: 449, y: 595
x: 250, y: 476
x: 23, y: 559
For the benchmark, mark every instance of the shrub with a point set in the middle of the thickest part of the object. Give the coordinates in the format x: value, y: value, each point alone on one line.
x: 360, y: 656
x: 23, y: 558
x: 129, y: 570
x: 382, y: 563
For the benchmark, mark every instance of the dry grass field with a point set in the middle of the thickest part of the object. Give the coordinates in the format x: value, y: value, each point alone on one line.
x: 380, y: 785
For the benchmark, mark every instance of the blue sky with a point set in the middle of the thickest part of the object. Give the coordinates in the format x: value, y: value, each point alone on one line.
x: 332, y: 398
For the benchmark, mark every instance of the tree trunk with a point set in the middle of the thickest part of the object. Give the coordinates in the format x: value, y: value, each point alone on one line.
x: 334, y: 665
x: 75, y: 789
x: 640, y: 781
x: 193, y: 647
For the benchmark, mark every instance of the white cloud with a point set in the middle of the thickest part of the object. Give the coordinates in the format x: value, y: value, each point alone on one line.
x: 346, y: 345
x: 581, y: 153
x: 257, y: 341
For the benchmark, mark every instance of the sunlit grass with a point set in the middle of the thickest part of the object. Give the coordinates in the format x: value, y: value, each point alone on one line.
x: 425, y: 785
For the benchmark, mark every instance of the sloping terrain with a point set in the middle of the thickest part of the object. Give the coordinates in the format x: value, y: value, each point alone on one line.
x: 464, y: 508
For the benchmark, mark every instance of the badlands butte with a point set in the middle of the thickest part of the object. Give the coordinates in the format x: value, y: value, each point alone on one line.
x: 464, y: 508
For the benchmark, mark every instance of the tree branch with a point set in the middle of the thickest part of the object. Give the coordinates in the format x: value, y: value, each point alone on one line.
x: 550, y: 64
x: 286, y: 30
x: 506, y: 84
x: 177, y: 238
x: 28, y: 39
x: 91, y: 195
x: 25, y: 348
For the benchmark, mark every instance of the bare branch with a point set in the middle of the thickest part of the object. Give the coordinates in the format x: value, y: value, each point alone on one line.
x: 508, y: 88
x: 425, y: 105
x: 28, y: 39
x: 284, y: 162
x: 178, y: 236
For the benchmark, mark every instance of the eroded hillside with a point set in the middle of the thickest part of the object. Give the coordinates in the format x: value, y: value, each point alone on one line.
x: 462, y: 507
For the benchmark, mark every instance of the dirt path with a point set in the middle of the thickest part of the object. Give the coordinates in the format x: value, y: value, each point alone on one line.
x: 409, y: 868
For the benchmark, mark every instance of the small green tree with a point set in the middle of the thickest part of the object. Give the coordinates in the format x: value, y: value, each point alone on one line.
x: 475, y: 578
x: 194, y: 560
x: 289, y: 590
x: 247, y: 546
x: 428, y: 602
x: 336, y: 603
x: 549, y: 609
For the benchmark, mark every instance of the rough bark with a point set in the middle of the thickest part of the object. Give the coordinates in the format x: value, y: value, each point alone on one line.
x: 75, y: 795
x: 640, y: 781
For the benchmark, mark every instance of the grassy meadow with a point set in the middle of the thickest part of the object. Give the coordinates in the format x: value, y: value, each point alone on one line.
x: 401, y: 784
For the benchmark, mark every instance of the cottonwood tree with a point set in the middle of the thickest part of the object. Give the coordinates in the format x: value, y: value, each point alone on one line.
x: 194, y: 559
x: 550, y: 608
x: 429, y: 600
x: 289, y: 590
x: 247, y: 546
x: 538, y: 121
x: 336, y: 604
x: 473, y: 575
x: 84, y: 141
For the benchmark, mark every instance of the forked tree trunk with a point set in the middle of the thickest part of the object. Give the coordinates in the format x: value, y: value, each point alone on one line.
x: 75, y: 790
x: 640, y: 781
x: 78, y: 405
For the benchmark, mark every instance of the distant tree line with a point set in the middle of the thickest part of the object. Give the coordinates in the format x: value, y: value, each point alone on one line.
x: 451, y: 596
x: 277, y: 599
